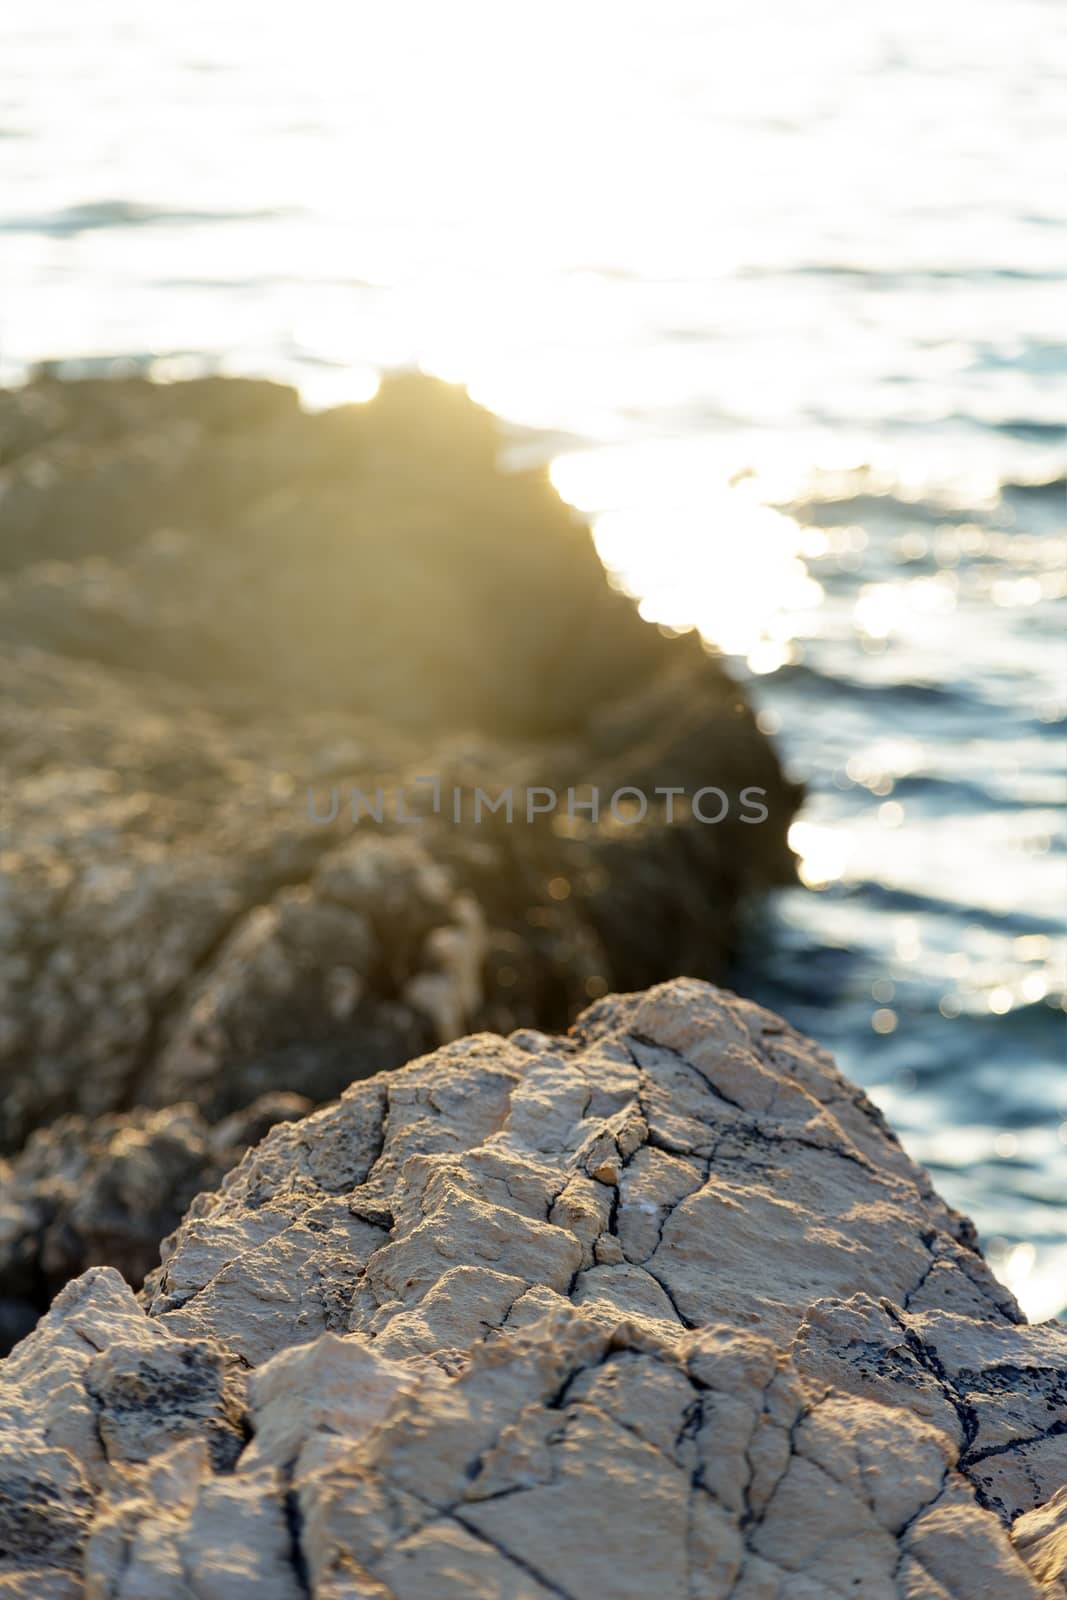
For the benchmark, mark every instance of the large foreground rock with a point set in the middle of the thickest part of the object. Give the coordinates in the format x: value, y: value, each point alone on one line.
x: 657, y: 1308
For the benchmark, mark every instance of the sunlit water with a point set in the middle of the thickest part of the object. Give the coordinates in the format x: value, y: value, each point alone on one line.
x: 783, y: 287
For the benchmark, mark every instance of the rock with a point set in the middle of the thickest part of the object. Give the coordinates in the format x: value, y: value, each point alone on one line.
x: 95, y: 1391
x: 1040, y: 1537
x: 373, y: 558
x: 86, y: 1193
x: 213, y: 604
x: 658, y: 1307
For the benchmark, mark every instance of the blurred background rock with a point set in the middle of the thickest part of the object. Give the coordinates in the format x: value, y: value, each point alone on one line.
x: 366, y: 598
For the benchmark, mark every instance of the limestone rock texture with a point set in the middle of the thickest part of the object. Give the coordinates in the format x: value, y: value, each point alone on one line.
x: 658, y: 1307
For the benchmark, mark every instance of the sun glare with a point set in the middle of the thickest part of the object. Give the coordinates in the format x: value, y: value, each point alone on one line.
x: 699, y: 551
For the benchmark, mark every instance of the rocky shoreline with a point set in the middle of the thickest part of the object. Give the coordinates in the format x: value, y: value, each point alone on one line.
x: 210, y: 600
x: 633, y: 1298
x: 658, y: 1307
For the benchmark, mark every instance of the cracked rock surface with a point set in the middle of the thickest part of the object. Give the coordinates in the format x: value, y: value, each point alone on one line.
x: 659, y: 1307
